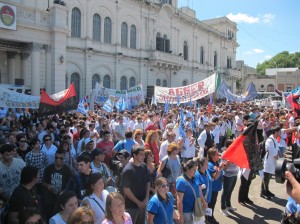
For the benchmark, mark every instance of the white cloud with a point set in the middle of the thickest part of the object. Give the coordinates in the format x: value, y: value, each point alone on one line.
x: 268, y: 57
x: 254, y: 51
x: 268, y: 18
x: 258, y: 51
x: 245, y: 18
x: 242, y: 18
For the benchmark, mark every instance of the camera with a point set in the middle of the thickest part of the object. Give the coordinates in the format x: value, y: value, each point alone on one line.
x: 282, y: 165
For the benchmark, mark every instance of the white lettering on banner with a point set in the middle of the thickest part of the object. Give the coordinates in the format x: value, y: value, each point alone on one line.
x: 188, y: 93
x: 134, y: 94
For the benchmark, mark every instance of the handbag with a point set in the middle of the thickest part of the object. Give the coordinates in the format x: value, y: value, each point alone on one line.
x: 198, y: 208
x: 166, y: 171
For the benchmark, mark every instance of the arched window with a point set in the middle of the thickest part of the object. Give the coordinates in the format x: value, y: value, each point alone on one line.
x: 158, y: 82
x: 165, y: 83
x: 95, y: 79
x: 123, y: 83
x: 76, y: 23
x: 107, y: 30
x: 184, y: 83
x: 106, y: 81
x: 76, y: 79
x: 96, y: 27
x: 133, y: 37
x: 131, y: 82
x: 215, y: 59
x: 124, y: 34
x: 185, y: 51
x: 202, y: 55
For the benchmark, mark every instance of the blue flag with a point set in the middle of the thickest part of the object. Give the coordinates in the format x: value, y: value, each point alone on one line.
x: 167, y: 104
x: 181, y: 124
x: 108, y: 106
x: 178, y: 100
x: 246, y: 96
x: 81, y: 107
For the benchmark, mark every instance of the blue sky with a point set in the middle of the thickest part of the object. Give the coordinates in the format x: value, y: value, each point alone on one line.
x: 265, y: 27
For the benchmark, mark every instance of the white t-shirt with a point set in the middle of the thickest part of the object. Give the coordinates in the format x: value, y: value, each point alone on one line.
x: 188, y: 150
x: 57, y: 219
x: 271, y: 151
x: 10, y: 175
x: 97, y: 205
x: 163, y: 149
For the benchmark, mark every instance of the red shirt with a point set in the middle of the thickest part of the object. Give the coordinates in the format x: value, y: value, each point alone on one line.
x: 107, y: 147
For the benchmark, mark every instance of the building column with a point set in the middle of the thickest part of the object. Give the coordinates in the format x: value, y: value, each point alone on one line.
x: 48, y: 68
x: 11, y: 66
x: 35, y: 69
x: 24, y: 73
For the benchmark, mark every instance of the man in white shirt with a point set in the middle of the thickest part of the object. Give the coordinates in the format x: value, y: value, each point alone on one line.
x: 120, y: 130
x: 163, y: 147
x: 270, y: 159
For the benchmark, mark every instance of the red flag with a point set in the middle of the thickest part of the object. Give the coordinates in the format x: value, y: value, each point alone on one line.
x: 244, y: 151
x: 60, y: 102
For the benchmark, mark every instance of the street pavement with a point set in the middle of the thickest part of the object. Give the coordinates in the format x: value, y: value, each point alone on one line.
x: 261, y: 212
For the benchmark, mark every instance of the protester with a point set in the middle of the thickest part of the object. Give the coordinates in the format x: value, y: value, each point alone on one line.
x: 24, y: 196
x: 152, y: 143
x: 115, y: 210
x: 135, y: 185
x: 96, y: 196
x: 66, y: 204
x: 187, y: 193
x: 160, y: 206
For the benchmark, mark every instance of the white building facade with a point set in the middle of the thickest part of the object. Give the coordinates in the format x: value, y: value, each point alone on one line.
x: 119, y: 43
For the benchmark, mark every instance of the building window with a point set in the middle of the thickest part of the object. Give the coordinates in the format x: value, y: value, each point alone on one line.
x: 106, y: 81
x: 96, y: 27
x: 184, y: 83
x: 162, y: 43
x: 202, y: 55
x: 123, y: 83
x: 215, y: 59
x: 76, y: 23
x: 165, y: 83
x: 124, y: 34
x: 95, y: 79
x: 76, y: 79
x: 107, y: 30
x: 131, y: 82
x: 167, y: 2
x: 158, y: 82
x: 185, y: 51
x: 133, y: 37
x: 228, y: 62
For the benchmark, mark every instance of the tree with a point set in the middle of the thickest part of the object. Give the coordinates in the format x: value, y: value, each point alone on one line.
x: 281, y: 60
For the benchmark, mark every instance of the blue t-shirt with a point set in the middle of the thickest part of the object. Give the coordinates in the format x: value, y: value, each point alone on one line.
x: 154, y: 207
x: 216, y: 184
x: 207, y: 180
x: 126, y: 144
x: 188, y: 200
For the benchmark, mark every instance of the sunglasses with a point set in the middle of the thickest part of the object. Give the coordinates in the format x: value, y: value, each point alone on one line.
x: 48, y: 139
x: 164, y: 186
x: 61, y: 158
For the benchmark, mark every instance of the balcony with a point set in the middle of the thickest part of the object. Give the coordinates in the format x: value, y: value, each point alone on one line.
x: 231, y: 72
x: 166, y: 60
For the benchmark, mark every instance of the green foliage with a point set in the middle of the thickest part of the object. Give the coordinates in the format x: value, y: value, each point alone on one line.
x: 281, y: 60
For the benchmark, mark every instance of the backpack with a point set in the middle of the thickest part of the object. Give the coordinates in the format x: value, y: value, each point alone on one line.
x: 262, y: 148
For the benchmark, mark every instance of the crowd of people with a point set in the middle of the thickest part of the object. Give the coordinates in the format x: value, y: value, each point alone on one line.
x: 138, y: 166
